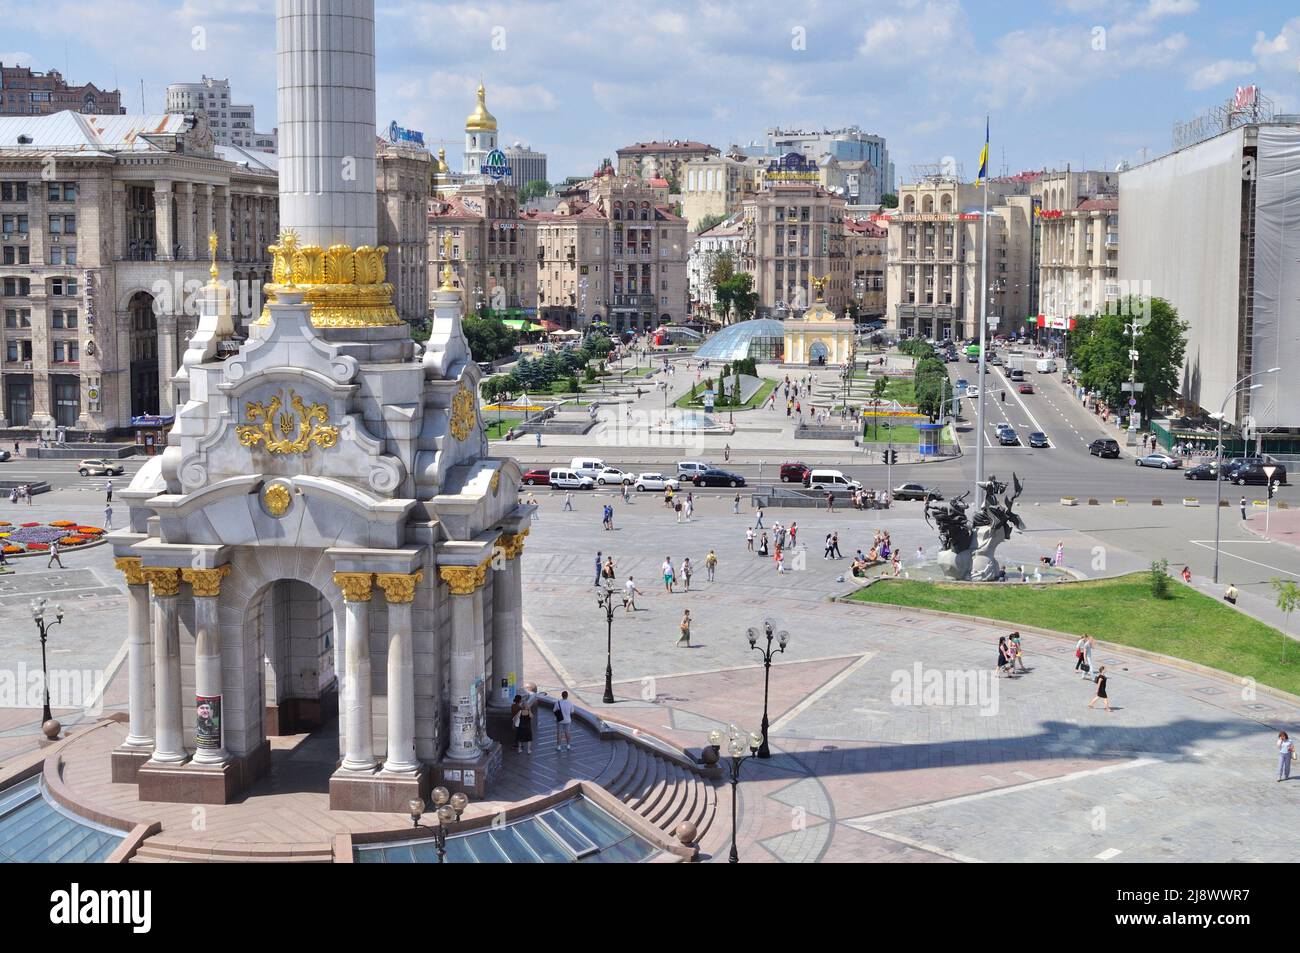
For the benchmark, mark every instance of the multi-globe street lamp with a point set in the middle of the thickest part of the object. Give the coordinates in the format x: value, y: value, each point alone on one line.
x: 43, y: 626
x: 783, y: 639
x: 447, y: 808
x: 606, y: 601
x: 739, y: 748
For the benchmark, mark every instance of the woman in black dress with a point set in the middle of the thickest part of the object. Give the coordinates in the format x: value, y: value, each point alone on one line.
x: 1004, y: 658
x: 1101, y: 689
x: 522, y: 718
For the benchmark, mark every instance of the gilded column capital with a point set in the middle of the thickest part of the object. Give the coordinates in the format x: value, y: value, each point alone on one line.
x: 163, y: 581
x: 129, y: 566
x: 463, y: 580
x: 398, y: 587
x: 513, y: 543
x: 206, y: 582
x: 356, y: 586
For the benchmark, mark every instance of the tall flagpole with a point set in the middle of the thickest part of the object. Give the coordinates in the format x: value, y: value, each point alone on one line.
x: 984, y: 306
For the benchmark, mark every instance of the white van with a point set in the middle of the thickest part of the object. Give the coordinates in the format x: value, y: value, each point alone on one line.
x: 587, y: 466
x: 1046, y: 366
x: 563, y: 479
x: 690, y: 469
x: 831, y: 480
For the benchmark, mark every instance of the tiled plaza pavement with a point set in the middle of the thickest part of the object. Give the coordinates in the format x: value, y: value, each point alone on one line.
x: 1181, y: 770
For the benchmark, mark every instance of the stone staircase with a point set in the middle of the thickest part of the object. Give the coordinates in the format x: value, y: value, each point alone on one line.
x: 661, y: 789
x: 161, y: 849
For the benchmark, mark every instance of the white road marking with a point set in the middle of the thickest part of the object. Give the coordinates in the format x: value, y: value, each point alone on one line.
x: 930, y: 848
x: 1197, y: 542
x: 818, y: 694
x: 717, y: 671
x: 1108, y: 853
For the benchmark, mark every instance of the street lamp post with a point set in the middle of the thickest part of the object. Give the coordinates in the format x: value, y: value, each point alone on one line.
x: 1218, y: 459
x: 783, y: 639
x: 739, y: 748
x: 606, y: 601
x: 448, y: 808
x: 48, y: 724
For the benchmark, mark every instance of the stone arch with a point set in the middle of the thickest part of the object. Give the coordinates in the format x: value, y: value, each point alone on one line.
x: 909, y: 204
x: 142, y: 323
x: 927, y: 204
x: 945, y: 203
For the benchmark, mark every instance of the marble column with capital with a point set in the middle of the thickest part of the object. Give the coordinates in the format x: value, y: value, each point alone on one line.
x: 209, y: 737
x: 167, y: 362
x: 163, y: 231
x: 507, y: 623
x: 221, y: 220
x: 185, y: 237
x: 140, y: 707
x: 169, y: 738
x: 399, y: 588
x: 465, y: 584
x: 358, y: 719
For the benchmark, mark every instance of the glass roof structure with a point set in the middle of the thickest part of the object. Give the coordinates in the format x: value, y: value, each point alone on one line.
x: 576, y: 831
x: 35, y: 830
x: 755, y: 339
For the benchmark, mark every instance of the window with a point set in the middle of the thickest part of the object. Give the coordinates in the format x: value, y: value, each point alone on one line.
x: 63, y: 319
x: 63, y: 287
x: 17, y: 255
x: 16, y: 318
x: 14, y: 223
x: 17, y: 287
x: 18, y: 351
x: 61, y: 191
x: 13, y: 191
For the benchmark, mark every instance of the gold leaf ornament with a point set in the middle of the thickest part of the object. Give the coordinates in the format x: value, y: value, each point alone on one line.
x: 463, y: 415
x: 299, y: 430
x: 276, y: 498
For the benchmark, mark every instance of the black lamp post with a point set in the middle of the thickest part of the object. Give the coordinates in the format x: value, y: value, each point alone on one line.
x: 739, y: 748
x: 783, y: 639
x: 43, y: 626
x: 448, y: 807
x: 606, y: 601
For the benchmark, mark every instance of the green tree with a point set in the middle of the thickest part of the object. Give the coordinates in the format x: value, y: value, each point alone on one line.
x: 1288, y: 600
x: 1100, y: 345
x: 889, y: 200
x: 878, y: 392
x: 535, y: 189
x: 489, y: 338
x: 736, y: 294
x: 707, y: 222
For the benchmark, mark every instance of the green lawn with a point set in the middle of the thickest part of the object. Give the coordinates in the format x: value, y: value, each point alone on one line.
x: 1187, y: 625
x: 497, y: 429
x: 688, y: 400
x: 903, y: 436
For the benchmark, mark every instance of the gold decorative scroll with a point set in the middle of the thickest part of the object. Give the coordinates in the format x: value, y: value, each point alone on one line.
x: 347, y: 287
x: 165, y: 582
x: 212, y: 250
x: 398, y: 587
x: 282, y: 432
x: 356, y: 586
x: 512, y: 544
x: 276, y: 498
x: 463, y: 580
x: 496, y: 481
x: 463, y: 416
x: 129, y: 566
x: 206, y: 582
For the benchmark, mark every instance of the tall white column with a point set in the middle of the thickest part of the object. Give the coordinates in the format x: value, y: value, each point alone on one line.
x: 466, y: 641
x: 206, y: 585
x: 326, y: 105
x: 169, y: 739
x: 400, y: 591
x: 185, y: 237
x: 358, y: 719
x: 163, y: 231
x: 140, y: 710
x: 507, y: 624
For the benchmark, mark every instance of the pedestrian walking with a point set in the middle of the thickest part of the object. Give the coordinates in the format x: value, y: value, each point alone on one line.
x: 600, y: 565
x: 762, y: 544
x: 630, y: 592
x: 1080, y: 665
x: 687, y: 571
x: 1243, y: 507
x: 54, y: 555
x: 607, y: 571
x: 835, y: 547
x: 735, y: 505
x: 564, y: 723
x: 670, y: 574
x: 711, y: 564
x: 826, y: 552
x: 726, y: 453
x: 830, y: 501
x: 690, y: 506
x: 568, y: 501
x: 539, y: 443
x: 1285, y: 752
x: 1004, y: 659
x: 108, y: 490
x: 677, y: 508
x: 794, y: 533
x: 1187, y: 575
x: 749, y: 538
x: 684, y: 640
x: 522, y: 718
x: 758, y: 523
x: 108, y: 516
x: 780, y: 559
x: 1017, y: 654
x: 1101, y: 695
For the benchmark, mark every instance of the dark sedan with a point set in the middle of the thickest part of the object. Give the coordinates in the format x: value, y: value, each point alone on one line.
x: 1202, y: 471
x: 718, y: 478
x: 1038, y: 440
x: 915, y: 491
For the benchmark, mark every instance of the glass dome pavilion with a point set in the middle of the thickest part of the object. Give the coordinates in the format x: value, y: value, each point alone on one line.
x: 761, y: 339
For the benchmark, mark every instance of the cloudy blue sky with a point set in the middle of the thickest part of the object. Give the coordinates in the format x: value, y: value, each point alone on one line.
x: 1075, y: 81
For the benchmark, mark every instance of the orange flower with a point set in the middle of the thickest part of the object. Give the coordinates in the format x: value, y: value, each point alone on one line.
x: 90, y: 530
x: 62, y: 523
x: 11, y: 550
x: 72, y: 540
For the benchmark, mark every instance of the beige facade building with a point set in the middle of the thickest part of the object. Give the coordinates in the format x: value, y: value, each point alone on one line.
x: 403, y: 178
x: 716, y: 185
x: 102, y: 259
x: 1078, y: 229
x: 493, y: 254
x: 725, y: 238
x: 613, y: 253
x: 666, y: 160
x: 795, y: 233
x: 933, y: 267
x: 865, y: 246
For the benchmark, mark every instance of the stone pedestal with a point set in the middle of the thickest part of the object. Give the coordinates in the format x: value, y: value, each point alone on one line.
x: 472, y: 777
x: 381, y: 791
x: 127, y: 761
x: 194, y: 783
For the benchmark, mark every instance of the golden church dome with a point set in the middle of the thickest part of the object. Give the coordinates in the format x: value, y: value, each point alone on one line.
x: 480, y: 120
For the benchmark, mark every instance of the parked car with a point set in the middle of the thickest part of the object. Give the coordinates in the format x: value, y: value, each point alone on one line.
x: 1202, y: 471
x: 794, y: 472
x: 1104, y: 447
x: 1038, y: 440
x: 100, y: 468
x: 1026, y: 388
x: 566, y: 479
x: 1254, y: 473
x: 614, y: 475
x: 718, y: 478
x: 689, y: 469
x: 537, y: 478
x: 1162, y: 460
x: 915, y: 491
x: 656, y: 481
x: 830, y: 480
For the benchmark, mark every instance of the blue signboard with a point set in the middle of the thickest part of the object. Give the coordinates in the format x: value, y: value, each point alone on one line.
x: 494, y: 166
x: 397, y: 134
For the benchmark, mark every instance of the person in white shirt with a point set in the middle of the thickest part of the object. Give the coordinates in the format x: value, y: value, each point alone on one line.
x: 564, y: 723
x: 630, y: 592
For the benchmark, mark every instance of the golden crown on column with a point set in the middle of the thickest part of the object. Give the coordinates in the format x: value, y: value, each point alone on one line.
x: 346, y: 286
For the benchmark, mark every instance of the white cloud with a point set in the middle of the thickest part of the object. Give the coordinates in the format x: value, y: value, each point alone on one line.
x: 1219, y: 72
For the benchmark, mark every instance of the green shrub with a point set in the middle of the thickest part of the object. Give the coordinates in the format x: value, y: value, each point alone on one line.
x: 1158, y: 576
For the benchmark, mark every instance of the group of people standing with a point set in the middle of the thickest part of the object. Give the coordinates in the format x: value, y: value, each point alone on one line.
x: 1083, y: 665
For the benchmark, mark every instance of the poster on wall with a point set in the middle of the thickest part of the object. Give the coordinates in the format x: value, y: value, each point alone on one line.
x: 207, y: 726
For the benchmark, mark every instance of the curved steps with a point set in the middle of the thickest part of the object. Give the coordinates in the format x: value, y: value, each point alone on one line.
x: 164, y: 850
x: 660, y: 789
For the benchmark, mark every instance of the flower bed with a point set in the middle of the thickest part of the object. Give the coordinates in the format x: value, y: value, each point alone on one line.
x: 37, y: 537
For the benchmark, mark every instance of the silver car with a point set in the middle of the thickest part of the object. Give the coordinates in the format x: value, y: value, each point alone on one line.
x: 1162, y: 460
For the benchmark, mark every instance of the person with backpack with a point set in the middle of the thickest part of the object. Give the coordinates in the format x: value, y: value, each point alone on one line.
x: 521, y: 716
x: 564, y: 723
x: 684, y: 640
x: 711, y: 563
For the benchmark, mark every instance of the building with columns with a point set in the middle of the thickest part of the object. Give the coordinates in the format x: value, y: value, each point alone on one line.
x: 1077, y: 221
x: 493, y: 248
x: 326, y: 529
x: 104, y: 225
x: 403, y: 176
x: 795, y: 234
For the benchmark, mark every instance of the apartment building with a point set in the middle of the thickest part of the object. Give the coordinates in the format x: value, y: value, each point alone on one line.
x: 865, y: 247
x: 725, y: 238
x: 493, y: 250
x: 403, y: 179
x: 795, y: 233
x: 1077, y: 216
x: 664, y: 160
x: 526, y: 165
x: 716, y: 185
x: 24, y: 92
x: 233, y: 124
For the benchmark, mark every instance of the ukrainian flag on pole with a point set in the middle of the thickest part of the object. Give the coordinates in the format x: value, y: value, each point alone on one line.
x: 984, y: 155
